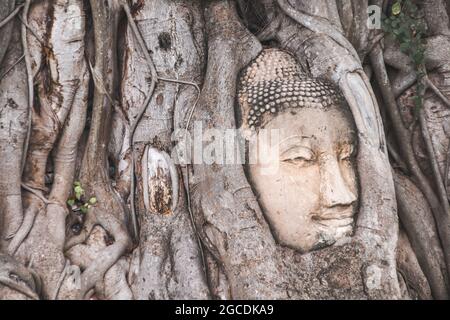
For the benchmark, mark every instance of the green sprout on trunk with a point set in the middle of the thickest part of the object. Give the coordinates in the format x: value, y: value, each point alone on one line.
x: 78, y: 201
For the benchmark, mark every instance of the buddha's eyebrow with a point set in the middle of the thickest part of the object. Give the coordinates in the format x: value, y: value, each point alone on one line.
x: 294, y: 140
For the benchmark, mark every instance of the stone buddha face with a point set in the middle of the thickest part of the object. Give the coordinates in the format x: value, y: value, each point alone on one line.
x: 311, y: 197
x: 307, y: 185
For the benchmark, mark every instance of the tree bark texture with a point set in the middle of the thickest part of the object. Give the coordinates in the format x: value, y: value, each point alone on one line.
x: 99, y: 101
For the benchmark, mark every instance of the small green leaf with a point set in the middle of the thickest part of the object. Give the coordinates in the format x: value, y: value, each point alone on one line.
x: 84, y: 209
x: 71, y: 202
x: 78, y: 192
x: 78, y: 189
x: 93, y: 200
x: 77, y: 183
x: 396, y: 8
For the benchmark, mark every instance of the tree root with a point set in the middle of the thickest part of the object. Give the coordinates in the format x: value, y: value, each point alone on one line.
x: 109, y: 211
x: 434, y: 164
x: 11, y: 15
x: 154, y: 80
x: 437, y: 91
x: 26, y: 53
x: 318, y: 25
x: 61, y: 279
x: 19, y: 278
x: 25, y: 228
x: 88, y: 226
x: 108, y: 256
x: 30, y: 216
x: 420, y: 226
x: 32, y: 31
x: 441, y: 215
x: 84, y: 255
x: 62, y: 92
x: 12, y: 67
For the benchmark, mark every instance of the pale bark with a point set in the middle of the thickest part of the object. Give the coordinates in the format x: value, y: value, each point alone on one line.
x: 13, y: 130
x: 376, y: 233
x: 421, y: 229
x: 115, y: 87
x: 168, y: 262
x: 6, y: 8
x: 227, y: 215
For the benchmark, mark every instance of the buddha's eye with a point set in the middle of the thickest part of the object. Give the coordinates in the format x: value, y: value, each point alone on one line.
x: 300, y: 156
x: 300, y: 161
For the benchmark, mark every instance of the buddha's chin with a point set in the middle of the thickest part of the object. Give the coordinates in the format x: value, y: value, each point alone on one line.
x: 320, y: 237
x: 334, y: 227
x: 325, y: 235
x: 332, y: 231
x: 318, y: 234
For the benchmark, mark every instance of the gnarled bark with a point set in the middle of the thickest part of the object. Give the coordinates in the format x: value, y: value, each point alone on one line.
x: 13, y: 130
x: 111, y: 87
x: 168, y: 262
x: 227, y: 215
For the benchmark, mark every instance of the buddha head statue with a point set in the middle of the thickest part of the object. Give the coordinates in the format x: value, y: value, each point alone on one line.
x: 311, y: 199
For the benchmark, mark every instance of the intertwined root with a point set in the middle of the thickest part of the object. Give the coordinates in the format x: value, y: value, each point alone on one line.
x: 57, y: 53
x: 68, y: 131
x: 21, y: 280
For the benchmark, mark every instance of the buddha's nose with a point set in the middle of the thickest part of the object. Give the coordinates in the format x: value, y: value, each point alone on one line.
x: 334, y: 189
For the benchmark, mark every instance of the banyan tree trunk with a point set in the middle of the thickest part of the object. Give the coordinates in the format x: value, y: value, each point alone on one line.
x: 168, y: 263
x: 110, y: 98
x: 372, y: 252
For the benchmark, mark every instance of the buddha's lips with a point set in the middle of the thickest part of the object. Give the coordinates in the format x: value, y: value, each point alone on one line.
x: 335, y: 223
x: 334, y: 215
